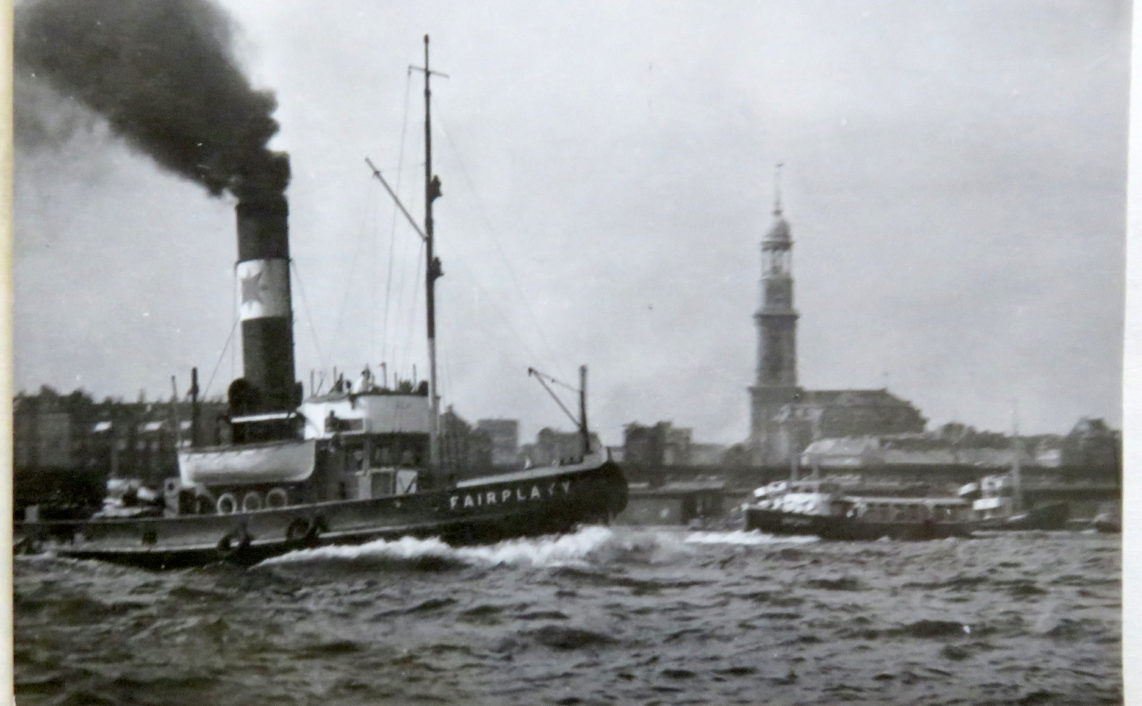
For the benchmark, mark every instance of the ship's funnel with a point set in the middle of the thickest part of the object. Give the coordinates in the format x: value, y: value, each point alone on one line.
x: 265, y: 311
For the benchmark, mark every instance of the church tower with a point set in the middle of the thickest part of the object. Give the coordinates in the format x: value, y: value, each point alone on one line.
x: 776, y: 383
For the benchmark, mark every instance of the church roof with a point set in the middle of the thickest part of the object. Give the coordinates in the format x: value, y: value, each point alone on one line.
x: 851, y: 398
x: 844, y: 452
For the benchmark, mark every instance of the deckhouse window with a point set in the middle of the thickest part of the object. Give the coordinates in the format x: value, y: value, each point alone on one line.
x: 382, y: 455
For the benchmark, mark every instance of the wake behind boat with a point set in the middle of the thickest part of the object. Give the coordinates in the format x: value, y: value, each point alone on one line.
x: 351, y: 465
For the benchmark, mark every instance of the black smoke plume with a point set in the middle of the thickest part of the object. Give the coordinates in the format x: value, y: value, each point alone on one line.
x: 164, y: 75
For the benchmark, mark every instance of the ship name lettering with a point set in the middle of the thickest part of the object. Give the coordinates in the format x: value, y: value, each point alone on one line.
x: 518, y: 494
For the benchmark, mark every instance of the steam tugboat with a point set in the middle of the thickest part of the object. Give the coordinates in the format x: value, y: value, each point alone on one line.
x: 998, y: 501
x: 998, y: 504
x: 347, y: 466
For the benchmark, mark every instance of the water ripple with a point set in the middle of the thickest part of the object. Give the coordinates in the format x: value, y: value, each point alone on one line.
x: 603, y: 615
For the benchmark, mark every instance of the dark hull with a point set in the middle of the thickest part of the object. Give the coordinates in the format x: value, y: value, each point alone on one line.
x: 847, y: 528
x: 1107, y: 524
x: 1045, y: 517
x: 546, y: 502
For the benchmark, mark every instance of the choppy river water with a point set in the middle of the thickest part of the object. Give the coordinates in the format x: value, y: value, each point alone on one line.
x: 603, y: 616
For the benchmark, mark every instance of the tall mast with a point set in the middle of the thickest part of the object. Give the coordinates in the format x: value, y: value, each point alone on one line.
x: 1016, y: 467
x: 432, y: 268
x: 584, y: 430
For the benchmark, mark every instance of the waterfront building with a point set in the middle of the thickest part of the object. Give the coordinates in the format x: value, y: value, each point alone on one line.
x: 660, y: 444
x: 66, y: 446
x: 465, y: 451
x: 707, y: 454
x: 552, y: 446
x: 1092, y: 444
x: 504, y: 434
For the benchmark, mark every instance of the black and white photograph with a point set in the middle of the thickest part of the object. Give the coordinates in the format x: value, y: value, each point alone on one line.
x: 578, y: 353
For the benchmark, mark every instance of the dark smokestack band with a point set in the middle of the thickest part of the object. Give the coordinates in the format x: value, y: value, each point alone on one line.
x: 263, y: 227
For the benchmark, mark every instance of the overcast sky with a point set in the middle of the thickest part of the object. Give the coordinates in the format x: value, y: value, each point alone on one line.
x: 954, y: 176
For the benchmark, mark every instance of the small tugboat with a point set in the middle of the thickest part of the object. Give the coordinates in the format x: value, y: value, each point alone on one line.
x: 998, y: 503
x: 1107, y: 523
x: 820, y: 508
x: 1106, y: 520
x: 351, y: 465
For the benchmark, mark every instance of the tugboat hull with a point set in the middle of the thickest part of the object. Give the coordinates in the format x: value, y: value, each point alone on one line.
x: 543, y: 501
x: 1045, y: 517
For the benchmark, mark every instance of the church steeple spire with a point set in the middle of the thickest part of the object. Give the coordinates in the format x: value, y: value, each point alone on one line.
x: 777, y: 189
x: 776, y: 319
